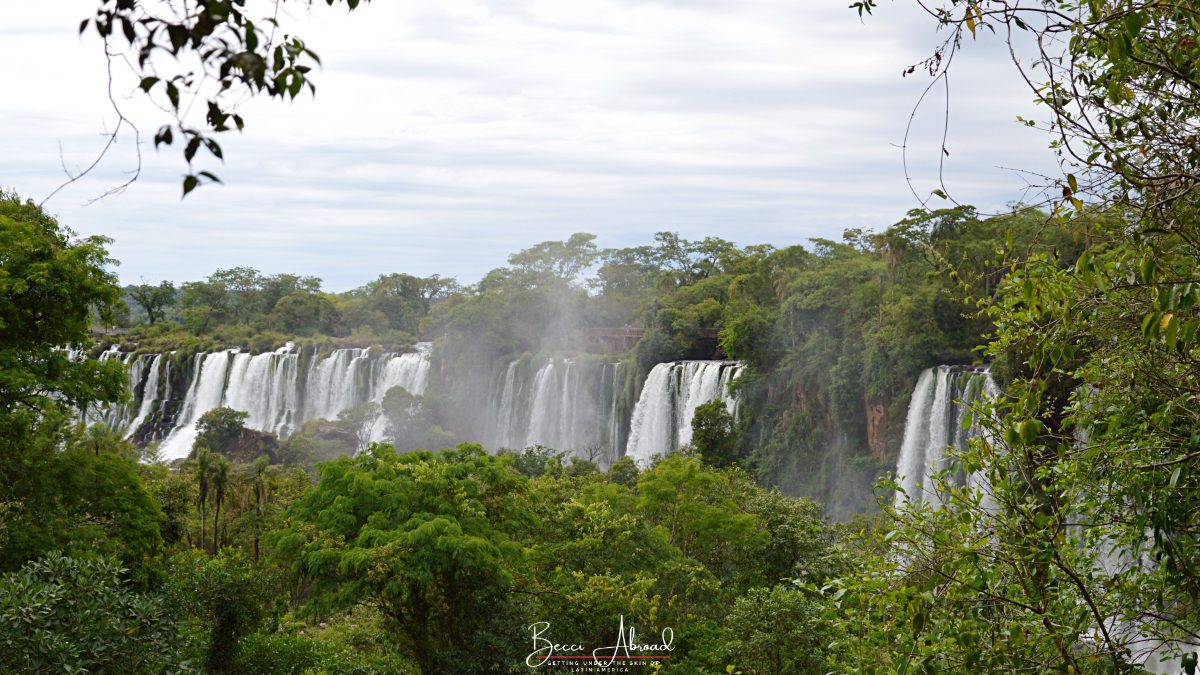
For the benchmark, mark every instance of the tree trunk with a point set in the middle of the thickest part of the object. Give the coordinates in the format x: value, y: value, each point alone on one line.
x: 216, y: 523
x: 258, y: 509
x: 203, y: 526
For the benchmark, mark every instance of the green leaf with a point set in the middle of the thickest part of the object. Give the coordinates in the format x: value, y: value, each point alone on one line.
x: 1150, y: 324
x: 189, y: 183
x: 1149, y: 270
x: 1170, y: 330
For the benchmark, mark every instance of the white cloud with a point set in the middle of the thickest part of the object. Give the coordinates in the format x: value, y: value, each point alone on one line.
x: 447, y: 134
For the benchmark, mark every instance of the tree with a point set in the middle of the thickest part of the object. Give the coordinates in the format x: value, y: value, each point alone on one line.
x: 221, y: 599
x: 403, y: 300
x: 778, y: 630
x: 258, y: 478
x: 1073, y: 523
x: 713, y: 435
x: 427, y: 537
x: 220, y: 481
x: 304, y: 313
x: 153, y: 300
x: 50, y: 283
x: 407, y: 422
x: 563, y: 260
x: 205, y: 460
x: 68, y: 498
x: 360, y: 422
x: 243, y: 286
x: 205, y: 304
x: 278, y: 286
x: 219, y: 428
x: 700, y: 514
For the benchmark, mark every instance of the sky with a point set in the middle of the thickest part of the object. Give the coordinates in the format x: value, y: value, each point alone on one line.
x: 447, y: 134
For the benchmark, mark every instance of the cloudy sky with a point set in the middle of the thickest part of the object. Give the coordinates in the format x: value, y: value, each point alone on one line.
x: 446, y: 134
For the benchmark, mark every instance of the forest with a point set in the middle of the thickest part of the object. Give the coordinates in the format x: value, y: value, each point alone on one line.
x: 183, y: 490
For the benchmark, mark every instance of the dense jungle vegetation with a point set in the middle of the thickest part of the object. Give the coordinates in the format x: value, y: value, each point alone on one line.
x: 1074, y: 553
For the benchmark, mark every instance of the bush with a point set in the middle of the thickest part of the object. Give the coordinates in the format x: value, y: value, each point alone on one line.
x: 357, y: 644
x: 774, y: 631
x: 222, y: 599
x: 69, y: 615
x: 288, y: 654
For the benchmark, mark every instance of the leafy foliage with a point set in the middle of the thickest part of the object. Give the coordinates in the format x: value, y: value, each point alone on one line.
x: 425, y: 536
x: 61, y: 614
x: 50, y: 285
x: 80, y: 502
x: 210, y: 55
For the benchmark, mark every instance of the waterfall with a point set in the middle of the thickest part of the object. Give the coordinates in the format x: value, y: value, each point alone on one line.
x: 149, y: 395
x: 278, y: 390
x: 939, y: 405
x: 410, y: 371
x: 614, y: 422
x: 662, y: 418
x: 564, y: 404
x: 543, y: 421
x: 506, y: 412
x: 335, y: 383
x: 567, y: 404
x: 206, y: 393
x: 265, y: 386
x: 115, y: 417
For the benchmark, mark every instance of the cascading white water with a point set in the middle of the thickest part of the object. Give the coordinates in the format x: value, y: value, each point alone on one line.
x: 117, y: 416
x: 544, y: 413
x: 614, y: 422
x: 410, y: 371
x: 564, y: 404
x: 662, y: 418
x: 149, y: 396
x: 335, y: 383
x: 939, y: 405
x: 264, y: 386
x: 269, y: 387
x: 506, y: 411
x: 206, y: 393
x: 407, y: 371
x: 911, y: 465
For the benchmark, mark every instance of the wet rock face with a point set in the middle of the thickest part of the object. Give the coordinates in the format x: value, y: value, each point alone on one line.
x: 877, y: 425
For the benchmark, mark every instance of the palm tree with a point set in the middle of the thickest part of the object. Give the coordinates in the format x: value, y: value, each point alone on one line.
x: 220, y: 481
x: 204, y: 462
x: 259, y: 474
